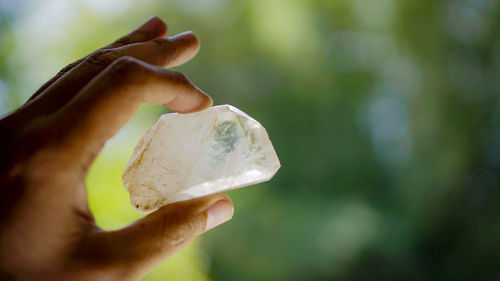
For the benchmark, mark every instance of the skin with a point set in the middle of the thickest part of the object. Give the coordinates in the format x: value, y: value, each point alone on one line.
x: 47, y: 231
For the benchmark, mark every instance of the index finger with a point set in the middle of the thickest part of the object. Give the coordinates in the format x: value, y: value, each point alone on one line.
x: 111, y: 99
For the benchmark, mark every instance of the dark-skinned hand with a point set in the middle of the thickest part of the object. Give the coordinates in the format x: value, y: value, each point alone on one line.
x: 47, y: 231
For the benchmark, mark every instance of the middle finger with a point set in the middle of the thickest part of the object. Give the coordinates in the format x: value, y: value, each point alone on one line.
x: 169, y: 52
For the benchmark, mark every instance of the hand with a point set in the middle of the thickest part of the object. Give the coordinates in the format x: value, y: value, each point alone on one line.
x: 47, y: 231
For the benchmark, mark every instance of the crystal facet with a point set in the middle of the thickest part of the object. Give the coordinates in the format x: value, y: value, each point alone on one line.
x: 184, y: 156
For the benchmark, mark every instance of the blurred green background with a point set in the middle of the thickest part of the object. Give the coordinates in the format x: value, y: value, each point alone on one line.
x: 385, y: 115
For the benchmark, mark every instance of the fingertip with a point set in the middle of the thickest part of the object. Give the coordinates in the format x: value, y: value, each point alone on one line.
x: 188, y: 43
x: 162, y: 29
x: 205, y: 101
x: 155, y: 24
x: 186, y: 35
x: 210, y: 101
x: 190, y: 102
x: 219, y: 212
x: 193, y: 39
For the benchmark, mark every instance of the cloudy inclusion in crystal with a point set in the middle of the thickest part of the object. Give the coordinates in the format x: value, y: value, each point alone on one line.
x: 184, y: 156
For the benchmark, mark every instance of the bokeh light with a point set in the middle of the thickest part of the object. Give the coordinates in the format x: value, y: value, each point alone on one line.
x: 385, y: 115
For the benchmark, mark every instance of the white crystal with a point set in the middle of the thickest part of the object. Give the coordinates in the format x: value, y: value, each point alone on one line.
x: 184, y: 156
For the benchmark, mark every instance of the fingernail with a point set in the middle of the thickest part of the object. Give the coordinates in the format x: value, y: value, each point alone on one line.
x: 151, y: 24
x: 220, y: 212
x: 184, y: 35
x: 210, y: 102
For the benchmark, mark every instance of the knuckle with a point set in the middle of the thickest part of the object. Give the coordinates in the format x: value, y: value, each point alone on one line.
x: 126, y: 68
x: 121, y: 42
x: 102, y: 57
x: 126, y: 61
x: 179, y: 77
x: 127, y: 72
x: 169, y: 50
x: 69, y: 67
x: 162, y: 42
x: 130, y: 38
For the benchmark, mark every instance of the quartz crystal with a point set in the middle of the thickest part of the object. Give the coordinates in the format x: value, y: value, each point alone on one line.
x: 184, y: 156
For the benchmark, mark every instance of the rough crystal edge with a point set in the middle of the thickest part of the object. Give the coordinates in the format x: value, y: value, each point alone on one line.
x: 178, y: 198
x: 138, y: 150
x: 226, y: 106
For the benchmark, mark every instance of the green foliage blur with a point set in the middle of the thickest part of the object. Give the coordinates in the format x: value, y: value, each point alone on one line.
x: 385, y: 115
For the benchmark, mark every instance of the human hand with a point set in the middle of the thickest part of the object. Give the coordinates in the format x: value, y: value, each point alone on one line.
x: 47, y: 231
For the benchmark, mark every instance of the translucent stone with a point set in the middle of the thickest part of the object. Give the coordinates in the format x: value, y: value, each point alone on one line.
x: 184, y: 156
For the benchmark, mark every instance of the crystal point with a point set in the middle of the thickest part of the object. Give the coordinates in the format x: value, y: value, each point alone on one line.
x: 184, y: 156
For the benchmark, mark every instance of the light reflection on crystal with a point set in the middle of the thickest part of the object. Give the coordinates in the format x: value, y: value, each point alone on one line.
x: 184, y: 156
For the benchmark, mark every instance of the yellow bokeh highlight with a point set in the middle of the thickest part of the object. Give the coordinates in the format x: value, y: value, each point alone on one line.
x: 284, y: 29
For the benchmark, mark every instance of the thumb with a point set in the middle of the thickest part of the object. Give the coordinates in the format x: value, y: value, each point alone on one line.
x: 134, y: 250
